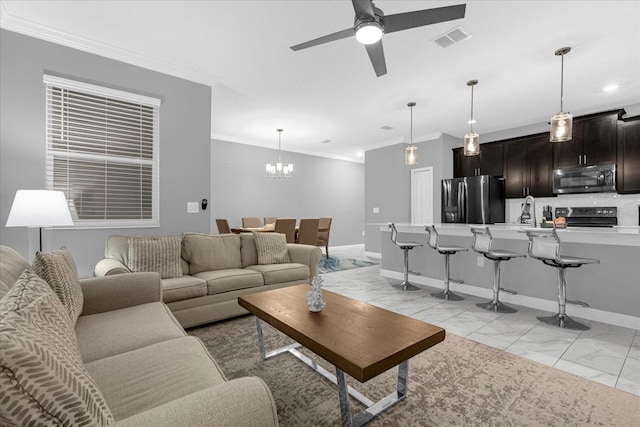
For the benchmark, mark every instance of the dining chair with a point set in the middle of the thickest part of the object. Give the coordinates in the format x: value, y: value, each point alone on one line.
x: 270, y: 220
x: 287, y: 226
x: 308, y: 231
x: 223, y: 226
x: 323, y: 235
x: 251, y: 222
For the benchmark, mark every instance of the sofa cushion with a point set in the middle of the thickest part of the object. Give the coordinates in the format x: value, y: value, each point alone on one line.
x: 282, y: 273
x: 248, y: 250
x: 184, y: 287
x: 138, y: 380
x: 58, y: 269
x: 12, y: 264
x: 230, y: 280
x: 42, y: 377
x: 206, y: 252
x: 113, y: 332
x: 159, y: 254
x: 272, y: 248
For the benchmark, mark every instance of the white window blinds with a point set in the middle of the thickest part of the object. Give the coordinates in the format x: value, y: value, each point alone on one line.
x: 102, y: 151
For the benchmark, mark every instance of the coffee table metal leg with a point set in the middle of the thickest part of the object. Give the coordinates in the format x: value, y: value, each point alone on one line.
x: 344, y: 390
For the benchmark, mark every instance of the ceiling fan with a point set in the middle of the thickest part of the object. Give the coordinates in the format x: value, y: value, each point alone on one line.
x: 370, y: 24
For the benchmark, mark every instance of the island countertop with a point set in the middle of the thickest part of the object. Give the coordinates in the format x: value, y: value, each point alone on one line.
x: 617, y: 236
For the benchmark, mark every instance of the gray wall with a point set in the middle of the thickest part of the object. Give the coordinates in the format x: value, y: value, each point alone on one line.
x: 320, y: 187
x: 388, y: 183
x: 185, y: 116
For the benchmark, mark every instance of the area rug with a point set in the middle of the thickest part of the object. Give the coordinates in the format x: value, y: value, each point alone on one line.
x: 458, y: 382
x: 334, y: 263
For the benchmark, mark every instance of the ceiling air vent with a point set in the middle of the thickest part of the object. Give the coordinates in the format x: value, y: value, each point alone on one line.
x: 451, y: 37
x: 385, y: 127
x: 326, y: 141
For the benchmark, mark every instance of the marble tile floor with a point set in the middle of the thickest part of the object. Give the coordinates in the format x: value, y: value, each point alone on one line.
x: 607, y: 354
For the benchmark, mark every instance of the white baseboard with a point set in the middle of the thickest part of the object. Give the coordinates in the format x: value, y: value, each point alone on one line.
x: 373, y: 255
x: 589, y: 313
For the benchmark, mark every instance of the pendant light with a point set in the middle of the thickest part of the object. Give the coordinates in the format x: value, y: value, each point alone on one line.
x: 471, y: 139
x: 411, y: 152
x: 279, y: 170
x: 561, y: 123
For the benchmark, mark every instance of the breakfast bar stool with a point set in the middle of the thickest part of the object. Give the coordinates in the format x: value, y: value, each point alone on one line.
x: 406, y: 246
x: 482, y: 241
x: 432, y: 240
x: 545, y: 246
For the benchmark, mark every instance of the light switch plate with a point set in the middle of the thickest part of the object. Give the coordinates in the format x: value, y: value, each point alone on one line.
x: 192, y: 207
x: 376, y: 210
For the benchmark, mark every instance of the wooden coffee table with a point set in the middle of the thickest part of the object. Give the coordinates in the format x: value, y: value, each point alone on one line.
x: 357, y: 338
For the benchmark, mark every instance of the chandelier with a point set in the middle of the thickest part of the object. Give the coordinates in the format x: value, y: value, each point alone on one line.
x: 279, y: 170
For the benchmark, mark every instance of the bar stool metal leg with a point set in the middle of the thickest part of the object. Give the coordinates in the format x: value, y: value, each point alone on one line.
x: 495, y: 305
x: 446, y: 294
x: 561, y: 319
x: 405, y: 285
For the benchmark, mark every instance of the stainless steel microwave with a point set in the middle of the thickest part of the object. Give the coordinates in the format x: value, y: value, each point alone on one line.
x: 588, y: 179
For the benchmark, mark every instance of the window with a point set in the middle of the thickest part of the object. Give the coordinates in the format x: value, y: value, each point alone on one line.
x: 102, y: 151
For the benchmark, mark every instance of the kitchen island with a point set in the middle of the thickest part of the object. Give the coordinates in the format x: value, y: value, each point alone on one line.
x: 611, y: 288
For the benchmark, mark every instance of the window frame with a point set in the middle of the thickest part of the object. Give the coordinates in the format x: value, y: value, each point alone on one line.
x: 118, y: 95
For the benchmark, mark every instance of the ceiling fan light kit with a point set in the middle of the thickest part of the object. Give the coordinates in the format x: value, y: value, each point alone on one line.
x: 561, y: 129
x: 471, y: 141
x: 411, y: 152
x: 279, y: 171
x: 370, y: 24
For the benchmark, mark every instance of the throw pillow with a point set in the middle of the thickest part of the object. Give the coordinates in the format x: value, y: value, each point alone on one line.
x: 42, y: 377
x: 58, y: 269
x: 272, y: 248
x: 159, y: 254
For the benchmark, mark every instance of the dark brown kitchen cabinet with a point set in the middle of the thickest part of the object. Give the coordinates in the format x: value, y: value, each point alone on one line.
x: 528, y: 166
x: 593, y: 143
x: 488, y: 162
x: 628, y: 172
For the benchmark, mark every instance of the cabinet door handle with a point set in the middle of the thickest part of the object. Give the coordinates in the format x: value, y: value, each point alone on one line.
x: 585, y: 159
x: 579, y: 159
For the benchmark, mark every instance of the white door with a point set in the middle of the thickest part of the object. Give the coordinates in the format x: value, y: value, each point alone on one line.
x: 422, y: 196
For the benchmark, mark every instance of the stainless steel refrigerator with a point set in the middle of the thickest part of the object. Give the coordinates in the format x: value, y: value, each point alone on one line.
x: 473, y: 200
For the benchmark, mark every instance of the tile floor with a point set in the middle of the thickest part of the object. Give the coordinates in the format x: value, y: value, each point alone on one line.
x: 607, y: 354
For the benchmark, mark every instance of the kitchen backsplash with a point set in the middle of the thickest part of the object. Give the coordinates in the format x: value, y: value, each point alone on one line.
x: 627, y: 205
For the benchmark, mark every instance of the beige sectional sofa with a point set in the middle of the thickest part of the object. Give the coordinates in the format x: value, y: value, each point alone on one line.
x: 215, y: 271
x: 108, y: 352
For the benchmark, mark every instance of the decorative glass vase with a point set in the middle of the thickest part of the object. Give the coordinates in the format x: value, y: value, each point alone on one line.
x: 315, y: 301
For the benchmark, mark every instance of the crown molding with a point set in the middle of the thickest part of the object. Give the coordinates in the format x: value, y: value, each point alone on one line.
x: 29, y: 28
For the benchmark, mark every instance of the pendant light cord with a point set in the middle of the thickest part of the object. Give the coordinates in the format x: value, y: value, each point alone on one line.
x: 471, y: 123
x: 411, y: 133
x: 561, y: 80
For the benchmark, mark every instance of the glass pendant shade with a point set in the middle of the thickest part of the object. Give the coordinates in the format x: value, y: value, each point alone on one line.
x: 561, y: 127
x: 471, y: 144
x: 471, y: 141
x: 411, y: 155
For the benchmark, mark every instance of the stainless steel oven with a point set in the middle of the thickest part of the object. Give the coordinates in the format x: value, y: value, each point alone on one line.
x: 588, y: 179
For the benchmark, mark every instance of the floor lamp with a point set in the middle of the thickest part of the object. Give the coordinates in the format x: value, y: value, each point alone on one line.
x: 37, y: 209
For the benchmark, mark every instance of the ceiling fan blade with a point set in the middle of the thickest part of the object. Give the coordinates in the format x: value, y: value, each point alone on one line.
x: 376, y: 55
x: 363, y: 8
x: 325, y: 39
x: 418, y: 18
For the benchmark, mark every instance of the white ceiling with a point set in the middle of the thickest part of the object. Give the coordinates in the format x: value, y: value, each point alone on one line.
x: 330, y: 92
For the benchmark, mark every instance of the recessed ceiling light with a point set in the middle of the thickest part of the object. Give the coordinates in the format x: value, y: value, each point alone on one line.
x: 471, y: 122
x: 385, y: 127
x: 359, y: 153
x: 610, y: 88
x: 326, y: 141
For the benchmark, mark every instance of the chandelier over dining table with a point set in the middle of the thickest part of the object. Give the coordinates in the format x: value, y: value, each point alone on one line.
x: 279, y: 170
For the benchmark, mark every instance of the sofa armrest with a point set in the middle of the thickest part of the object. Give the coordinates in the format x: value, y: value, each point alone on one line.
x: 109, y: 266
x: 305, y: 254
x: 119, y: 291
x: 244, y: 402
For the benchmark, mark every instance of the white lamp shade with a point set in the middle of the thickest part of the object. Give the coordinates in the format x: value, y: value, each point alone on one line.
x: 561, y: 127
x: 39, y: 208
